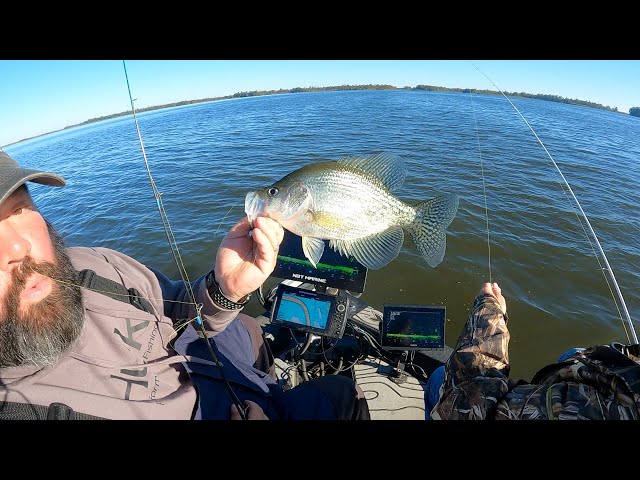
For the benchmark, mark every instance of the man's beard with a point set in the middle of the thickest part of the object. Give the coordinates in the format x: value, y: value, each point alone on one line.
x: 41, y: 332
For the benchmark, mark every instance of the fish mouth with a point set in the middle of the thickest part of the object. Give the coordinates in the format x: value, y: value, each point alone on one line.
x: 253, y: 206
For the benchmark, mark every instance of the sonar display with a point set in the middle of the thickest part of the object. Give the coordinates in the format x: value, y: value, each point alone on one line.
x: 413, y: 327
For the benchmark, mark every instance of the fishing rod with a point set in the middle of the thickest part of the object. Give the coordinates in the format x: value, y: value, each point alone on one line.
x: 608, y: 268
x: 484, y: 187
x: 178, y: 258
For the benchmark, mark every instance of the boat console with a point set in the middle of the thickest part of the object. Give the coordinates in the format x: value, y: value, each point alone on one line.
x: 318, y: 325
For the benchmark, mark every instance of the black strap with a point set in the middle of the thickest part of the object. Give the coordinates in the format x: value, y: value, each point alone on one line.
x: 28, y: 411
x: 91, y: 280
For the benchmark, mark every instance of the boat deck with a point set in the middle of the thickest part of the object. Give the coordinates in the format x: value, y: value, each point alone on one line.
x: 389, y: 399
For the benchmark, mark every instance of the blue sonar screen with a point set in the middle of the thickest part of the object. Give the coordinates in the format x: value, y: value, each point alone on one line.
x: 310, y: 312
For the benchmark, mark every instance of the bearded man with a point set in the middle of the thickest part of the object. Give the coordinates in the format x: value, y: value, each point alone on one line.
x: 93, y: 333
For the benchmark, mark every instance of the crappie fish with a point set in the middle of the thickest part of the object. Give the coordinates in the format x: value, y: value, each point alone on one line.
x: 349, y: 202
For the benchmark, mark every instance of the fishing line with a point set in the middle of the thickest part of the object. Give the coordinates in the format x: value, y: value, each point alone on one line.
x: 178, y: 258
x: 251, y: 253
x: 223, y: 219
x: 575, y: 212
x: 484, y: 188
x: 608, y: 268
x: 163, y: 214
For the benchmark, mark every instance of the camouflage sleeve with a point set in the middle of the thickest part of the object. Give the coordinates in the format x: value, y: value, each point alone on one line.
x: 477, y: 370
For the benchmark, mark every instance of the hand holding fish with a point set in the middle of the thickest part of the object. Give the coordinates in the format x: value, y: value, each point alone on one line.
x: 350, y: 203
x: 244, y: 262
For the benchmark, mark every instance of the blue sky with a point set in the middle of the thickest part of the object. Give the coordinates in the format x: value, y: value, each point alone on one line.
x: 41, y: 96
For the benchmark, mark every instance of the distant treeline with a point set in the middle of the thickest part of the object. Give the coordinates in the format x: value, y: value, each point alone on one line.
x: 254, y: 93
x: 635, y: 111
x: 538, y: 96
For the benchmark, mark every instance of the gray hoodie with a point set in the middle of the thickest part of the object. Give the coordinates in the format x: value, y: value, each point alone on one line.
x: 122, y: 366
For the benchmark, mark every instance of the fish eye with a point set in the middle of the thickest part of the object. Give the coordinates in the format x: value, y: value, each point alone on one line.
x: 273, y: 191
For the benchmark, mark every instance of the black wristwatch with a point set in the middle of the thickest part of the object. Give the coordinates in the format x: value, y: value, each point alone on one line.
x: 218, y: 298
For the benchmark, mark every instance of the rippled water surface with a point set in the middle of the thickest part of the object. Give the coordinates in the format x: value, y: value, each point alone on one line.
x: 205, y: 157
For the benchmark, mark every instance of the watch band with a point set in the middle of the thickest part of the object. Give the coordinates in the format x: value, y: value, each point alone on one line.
x: 218, y: 297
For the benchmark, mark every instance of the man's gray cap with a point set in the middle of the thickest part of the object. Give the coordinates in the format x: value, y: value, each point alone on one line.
x: 12, y: 176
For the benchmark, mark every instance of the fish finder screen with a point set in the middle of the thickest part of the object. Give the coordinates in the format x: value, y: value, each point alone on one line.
x: 303, y: 309
x: 333, y: 270
x: 412, y: 327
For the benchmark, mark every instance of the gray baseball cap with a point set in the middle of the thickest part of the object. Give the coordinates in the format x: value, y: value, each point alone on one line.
x: 12, y: 176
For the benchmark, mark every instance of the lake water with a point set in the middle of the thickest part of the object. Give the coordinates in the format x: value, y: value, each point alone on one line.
x: 205, y: 157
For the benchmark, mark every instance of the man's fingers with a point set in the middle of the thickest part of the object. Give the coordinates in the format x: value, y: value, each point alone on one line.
x: 495, y: 290
x: 235, y: 415
x: 254, y: 411
x: 265, y: 248
x: 272, y: 230
x: 486, y: 288
x: 240, y: 229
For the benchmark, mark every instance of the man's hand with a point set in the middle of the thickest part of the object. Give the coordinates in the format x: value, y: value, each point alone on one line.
x: 494, y: 289
x: 244, y: 262
x: 254, y: 411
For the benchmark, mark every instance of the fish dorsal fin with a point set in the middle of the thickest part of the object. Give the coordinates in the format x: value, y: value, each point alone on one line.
x: 313, y: 249
x: 389, y: 168
x: 374, y: 251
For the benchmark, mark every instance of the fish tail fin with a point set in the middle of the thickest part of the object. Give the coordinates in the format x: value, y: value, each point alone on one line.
x: 428, y: 229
